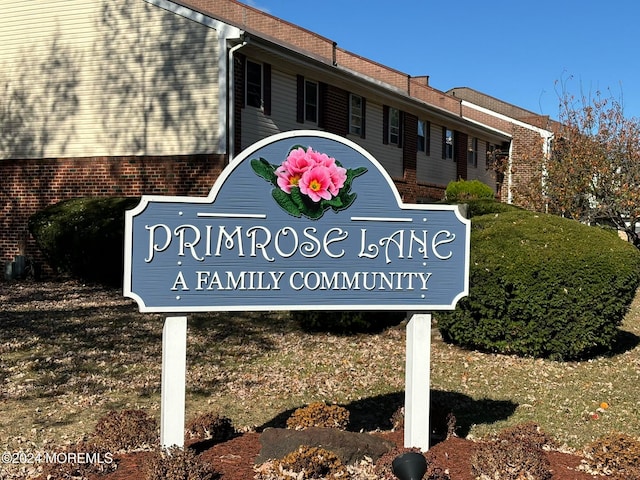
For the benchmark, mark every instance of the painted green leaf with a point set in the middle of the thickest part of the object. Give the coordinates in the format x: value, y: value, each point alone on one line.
x: 265, y: 170
x: 347, y: 199
x: 335, y: 202
x: 285, y: 201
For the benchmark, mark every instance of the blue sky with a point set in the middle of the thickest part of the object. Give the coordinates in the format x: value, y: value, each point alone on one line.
x: 522, y: 52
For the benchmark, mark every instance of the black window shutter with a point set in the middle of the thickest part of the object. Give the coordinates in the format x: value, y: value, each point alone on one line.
x: 400, y: 128
x: 444, y: 142
x: 266, y: 87
x: 299, y: 99
x: 385, y: 124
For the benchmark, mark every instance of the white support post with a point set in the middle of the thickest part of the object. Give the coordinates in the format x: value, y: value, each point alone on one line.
x: 417, y: 382
x: 174, y: 369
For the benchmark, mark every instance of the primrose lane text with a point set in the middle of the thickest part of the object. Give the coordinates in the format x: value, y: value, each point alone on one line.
x: 209, y: 241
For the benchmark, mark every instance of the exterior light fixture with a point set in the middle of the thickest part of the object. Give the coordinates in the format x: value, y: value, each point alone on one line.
x: 409, y: 466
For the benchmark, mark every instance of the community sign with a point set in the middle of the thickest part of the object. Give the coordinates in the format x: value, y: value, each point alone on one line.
x: 300, y: 220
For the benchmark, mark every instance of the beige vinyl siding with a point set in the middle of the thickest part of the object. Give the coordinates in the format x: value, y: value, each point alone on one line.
x: 433, y: 168
x: 256, y: 125
x: 389, y: 156
x: 116, y: 77
x: 480, y: 172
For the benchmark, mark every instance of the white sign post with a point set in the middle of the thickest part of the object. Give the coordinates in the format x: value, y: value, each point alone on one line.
x: 174, y: 369
x: 417, y: 382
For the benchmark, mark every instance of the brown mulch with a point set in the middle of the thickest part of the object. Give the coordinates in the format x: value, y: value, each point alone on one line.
x: 234, y: 459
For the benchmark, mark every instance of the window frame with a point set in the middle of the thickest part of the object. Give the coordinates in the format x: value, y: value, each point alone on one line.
x: 394, y: 130
x: 356, y: 127
x: 448, y: 142
x: 251, y: 85
x: 426, y: 137
x: 472, y: 151
x: 311, y: 115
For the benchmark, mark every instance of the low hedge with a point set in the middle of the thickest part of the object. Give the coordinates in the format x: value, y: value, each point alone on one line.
x: 543, y: 286
x: 84, y: 237
x: 464, y: 190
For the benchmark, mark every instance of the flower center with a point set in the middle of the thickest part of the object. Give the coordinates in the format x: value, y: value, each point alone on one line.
x: 315, y: 185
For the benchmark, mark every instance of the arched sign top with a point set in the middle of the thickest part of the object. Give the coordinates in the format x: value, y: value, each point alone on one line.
x: 300, y: 220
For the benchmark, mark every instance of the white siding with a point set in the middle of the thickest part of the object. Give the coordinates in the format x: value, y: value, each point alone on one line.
x: 114, y: 77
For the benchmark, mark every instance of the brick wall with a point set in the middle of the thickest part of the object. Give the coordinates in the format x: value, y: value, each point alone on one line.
x: 526, y: 160
x: 30, y: 185
x: 334, y: 109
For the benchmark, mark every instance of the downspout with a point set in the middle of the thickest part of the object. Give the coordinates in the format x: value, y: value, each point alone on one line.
x: 546, y: 150
x: 510, y: 174
x: 231, y: 100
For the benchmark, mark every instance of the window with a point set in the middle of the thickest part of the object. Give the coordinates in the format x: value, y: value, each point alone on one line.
x: 447, y: 143
x: 356, y: 115
x: 394, y: 126
x: 392, y: 122
x: 254, y: 84
x: 424, y: 136
x: 472, y: 151
x: 310, y: 101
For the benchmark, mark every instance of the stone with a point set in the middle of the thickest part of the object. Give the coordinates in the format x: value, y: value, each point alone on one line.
x: 350, y: 447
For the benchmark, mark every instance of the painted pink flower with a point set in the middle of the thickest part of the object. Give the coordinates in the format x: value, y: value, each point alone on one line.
x: 338, y: 177
x: 288, y: 174
x: 315, y: 183
x: 325, y: 183
x: 286, y: 179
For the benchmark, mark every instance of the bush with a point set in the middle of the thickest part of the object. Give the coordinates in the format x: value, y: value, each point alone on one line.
x: 346, y: 322
x: 319, y: 414
x: 125, y: 431
x: 464, y: 190
x: 73, y: 463
x: 306, y: 462
x: 517, y: 459
x: 178, y: 464
x: 529, y: 432
x: 480, y: 207
x: 615, y: 454
x: 211, y: 426
x: 543, y: 286
x: 84, y: 237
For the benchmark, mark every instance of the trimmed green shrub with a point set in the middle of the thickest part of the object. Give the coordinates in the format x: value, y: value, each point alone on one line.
x: 480, y: 207
x: 84, y: 237
x: 543, y: 286
x: 464, y: 190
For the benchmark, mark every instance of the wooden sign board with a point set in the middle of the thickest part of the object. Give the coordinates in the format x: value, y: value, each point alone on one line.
x: 303, y: 220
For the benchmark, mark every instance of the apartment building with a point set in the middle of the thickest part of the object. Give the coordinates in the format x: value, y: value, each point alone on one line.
x: 132, y: 97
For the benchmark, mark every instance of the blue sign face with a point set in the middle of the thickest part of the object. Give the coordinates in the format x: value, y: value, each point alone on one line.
x: 301, y: 220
